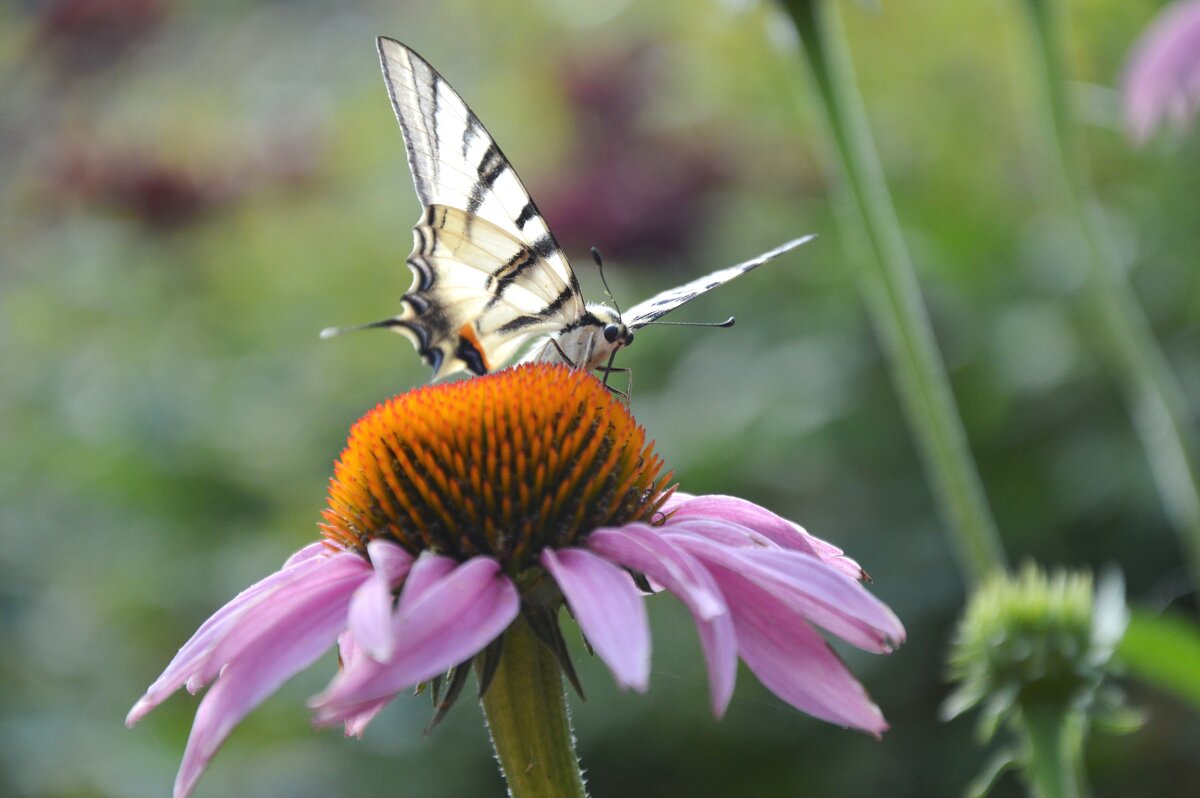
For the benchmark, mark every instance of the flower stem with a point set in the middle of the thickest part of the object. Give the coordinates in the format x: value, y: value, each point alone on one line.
x: 1155, y: 397
x: 526, y: 712
x: 1053, y: 749
x: 893, y: 296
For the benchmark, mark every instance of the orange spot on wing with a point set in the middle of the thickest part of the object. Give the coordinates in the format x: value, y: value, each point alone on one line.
x: 467, y: 333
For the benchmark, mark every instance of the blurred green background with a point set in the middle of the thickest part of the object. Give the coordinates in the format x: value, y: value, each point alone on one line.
x: 192, y: 190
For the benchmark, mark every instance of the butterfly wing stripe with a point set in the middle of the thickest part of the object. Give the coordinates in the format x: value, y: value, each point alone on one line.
x: 519, y: 267
x: 549, y: 312
x: 645, y: 312
x: 527, y: 213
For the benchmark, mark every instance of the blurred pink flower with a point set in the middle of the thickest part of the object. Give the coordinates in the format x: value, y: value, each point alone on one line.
x: 1162, y: 76
x: 402, y: 615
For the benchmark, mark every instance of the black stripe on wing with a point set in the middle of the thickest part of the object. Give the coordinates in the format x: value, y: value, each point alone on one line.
x: 530, y: 319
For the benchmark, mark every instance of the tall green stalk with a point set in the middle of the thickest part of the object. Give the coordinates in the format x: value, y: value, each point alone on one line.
x: 1156, y: 400
x: 526, y: 711
x: 1053, y: 749
x: 893, y: 296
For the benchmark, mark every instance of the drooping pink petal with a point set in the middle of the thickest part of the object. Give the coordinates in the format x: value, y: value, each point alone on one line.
x: 609, y: 609
x: 449, y: 622
x: 390, y: 560
x: 285, y: 636
x: 310, y: 551
x: 1162, y: 78
x: 726, y: 533
x: 811, y: 587
x: 428, y: 571
x: 187, y: 664
x: 792, y: 660
x: 350, y: 652
x: 771, y: 526
x: 642, y: 548
x: 675, y: 500
x: 370, y: 612
x: 247, y: 629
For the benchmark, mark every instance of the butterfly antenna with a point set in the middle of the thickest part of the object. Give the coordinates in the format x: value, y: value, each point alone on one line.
x: 331, y: 332
x: 727, y: 323
x: 600, y: 267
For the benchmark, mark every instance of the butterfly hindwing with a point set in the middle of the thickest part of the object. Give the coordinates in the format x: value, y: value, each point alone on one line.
x: 478, y: 294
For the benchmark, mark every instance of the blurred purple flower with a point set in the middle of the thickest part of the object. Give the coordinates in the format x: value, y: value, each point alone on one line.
x: 81, y: 36
x: 437, y: 539
x: 160, y: 194
x: 165, y: 193
x: 644, y: 193
x: 1162, y: 76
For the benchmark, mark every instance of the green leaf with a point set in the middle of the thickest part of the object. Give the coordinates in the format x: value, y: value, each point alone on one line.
x: 997, y: 765
x: 1164, y: 650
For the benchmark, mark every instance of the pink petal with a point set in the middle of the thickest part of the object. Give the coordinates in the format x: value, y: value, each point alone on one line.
x: 810, y: 587
x: 310, y: 551
x: 187, y: 663
x: 766, y: 523
x: 640, y: 547
x: 609, y: 609
x: 727, y: 533
x: 428, y: 571
x: 285, y: 636
x: 448, y: 623
x: 675, y: 501
x: 792, y: 660
x: 1162, y: 78
x: 389, y: 559
x: 370, y: 615
x: 279, y: 610
x: 350, y: 652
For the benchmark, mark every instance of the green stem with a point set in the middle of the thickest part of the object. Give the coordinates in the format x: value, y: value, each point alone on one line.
x: 893, y: 297
x: 1155, y: 398
x: 526, y: 712
x: 1054, y: 747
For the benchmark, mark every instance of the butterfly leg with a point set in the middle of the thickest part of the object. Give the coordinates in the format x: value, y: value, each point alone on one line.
x: 562, y: 354
x: 628, y: 372
x: 608, y: 369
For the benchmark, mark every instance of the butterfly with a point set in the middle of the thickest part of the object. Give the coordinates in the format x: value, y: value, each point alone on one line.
x: 488, y: 274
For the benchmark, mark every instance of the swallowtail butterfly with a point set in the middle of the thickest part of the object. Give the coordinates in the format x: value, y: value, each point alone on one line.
x: 488, y: 275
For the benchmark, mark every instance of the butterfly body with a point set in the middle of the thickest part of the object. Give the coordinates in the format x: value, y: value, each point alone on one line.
x: 488, y: 275
x: 588, y: 343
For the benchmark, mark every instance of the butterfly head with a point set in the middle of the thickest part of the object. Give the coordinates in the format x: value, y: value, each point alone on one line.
x: 591, y: 342
x: 618, y: 334
x: 612, y: 328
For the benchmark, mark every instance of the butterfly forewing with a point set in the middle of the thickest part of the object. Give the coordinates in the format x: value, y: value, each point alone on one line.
x: 453, y: 159
x: 659, y: 305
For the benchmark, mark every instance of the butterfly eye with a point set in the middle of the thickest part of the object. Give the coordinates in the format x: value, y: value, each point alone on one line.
x: 612, y: 332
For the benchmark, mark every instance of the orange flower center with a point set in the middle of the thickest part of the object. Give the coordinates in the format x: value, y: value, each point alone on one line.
x: 504, y: 464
